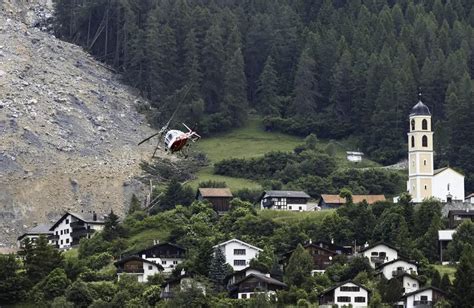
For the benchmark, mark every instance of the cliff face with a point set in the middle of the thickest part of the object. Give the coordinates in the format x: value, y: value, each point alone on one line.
x: 68, y: 128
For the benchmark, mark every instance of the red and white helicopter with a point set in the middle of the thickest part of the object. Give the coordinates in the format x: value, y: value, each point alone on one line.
x: 174, y: 141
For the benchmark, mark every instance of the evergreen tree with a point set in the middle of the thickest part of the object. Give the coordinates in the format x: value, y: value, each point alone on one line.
x: 235, y: 97
x: 267, y: 91
x: 299, y: 267
x: 12, y: 282
x: 306, y: 88
x: 112, y: 228
x: 218, y: 269
x: 134, y: 205
x: 446, y: 284
x: 463, y: 295
x: 436, y: 279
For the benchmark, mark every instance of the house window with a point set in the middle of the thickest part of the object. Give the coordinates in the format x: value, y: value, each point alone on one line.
x: 343, y: 299
x: 350, y: 289
x: 239, y: 262
x: 57, y: 232
x: 67, y: 221
x: 244, y: 295
x: 163, y: 262
x: 424, y: 298
x: 412, y: 141
x: 289, y: 207
x: 426, y: 187
x: 67, y: 241
x: 374, y: 254
x: 61, y: 242
x: 413, y: 124
x: 424, y: 162
x: 300, y: 208
x: 239, y: 252
x: 424, y: 125
x: 175, y: 262
x: 150, y: 267
x: 61, y: 232
x: 448, y: 187
x: 359, y: 299
x: 424, y: 141
x: 414, y: 285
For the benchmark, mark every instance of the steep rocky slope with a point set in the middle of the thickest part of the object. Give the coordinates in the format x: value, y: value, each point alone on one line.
x: 68, y: 130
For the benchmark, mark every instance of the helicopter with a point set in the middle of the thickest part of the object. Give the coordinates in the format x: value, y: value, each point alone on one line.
x: 174, y: 141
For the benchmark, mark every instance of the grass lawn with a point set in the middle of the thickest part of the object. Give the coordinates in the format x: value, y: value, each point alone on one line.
x: 294, y: 217
x: 253, y: 141
x: 145, y: 239
x: 446, y: 269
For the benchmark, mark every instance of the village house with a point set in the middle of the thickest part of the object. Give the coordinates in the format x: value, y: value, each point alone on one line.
x: 395, y: 268
x: 141, y: 268
x: 345, y: 294
x: 422, y: 298
x: 180, y: 283
x: 322, y: 257
x: 219, y: 198
x: 456, y: 217
x: 33, y: 234
x: 255, y: 283
x: 239, y: 275
x: 469, y: 198
x: 285, y: 200
x: 346, y: 250
x: 168, y: 255
x: 379, y: 253
x: 354, y: 157
x: 238, y: 253
x: 71, y: 227
x: 410, y: 283
x: 334, y: 201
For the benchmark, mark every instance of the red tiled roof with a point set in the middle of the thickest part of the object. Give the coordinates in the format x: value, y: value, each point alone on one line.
x: 355, y: 198
x: 215, y: 192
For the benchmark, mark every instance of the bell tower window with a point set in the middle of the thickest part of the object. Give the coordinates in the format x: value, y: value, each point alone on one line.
x: 424, y: 141
x: 413, y: 124
x: 424, y: 125
x: 412, y: 141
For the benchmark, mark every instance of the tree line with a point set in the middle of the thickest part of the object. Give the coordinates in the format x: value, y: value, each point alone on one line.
x: 334, y: 68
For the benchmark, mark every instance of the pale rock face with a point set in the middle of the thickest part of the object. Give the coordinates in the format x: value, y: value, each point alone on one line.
x: 68, y: 128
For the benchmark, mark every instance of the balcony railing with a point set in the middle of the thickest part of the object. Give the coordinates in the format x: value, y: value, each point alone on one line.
x: 77, y: 224
x: 377, y: 259
x: 131, y: 271
x: 423, y: 304
x: 53, y: 237
x: 81, y: 232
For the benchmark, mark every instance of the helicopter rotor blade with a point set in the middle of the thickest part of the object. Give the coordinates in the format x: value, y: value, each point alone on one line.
x: 148, y: 138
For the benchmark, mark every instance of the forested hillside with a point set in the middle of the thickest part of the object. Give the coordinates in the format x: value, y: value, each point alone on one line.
x: 335, y: 68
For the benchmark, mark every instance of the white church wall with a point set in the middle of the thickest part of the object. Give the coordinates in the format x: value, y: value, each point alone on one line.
x: 448, y: 182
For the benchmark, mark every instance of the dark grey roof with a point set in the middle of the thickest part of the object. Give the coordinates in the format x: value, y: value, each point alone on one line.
x: 88, y: 218
x: 396, y: 260
x: 285, y: 194
x: 420, y: 109
x: 423, y: 289
x: 466, y: 212
x: 41, y: 229
x: 267, y: 279
x: 341, y: 284
x: 137, y: 258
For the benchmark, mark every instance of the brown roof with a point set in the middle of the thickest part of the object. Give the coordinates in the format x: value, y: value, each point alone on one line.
x: 355, y: 198
x: 215, y: 192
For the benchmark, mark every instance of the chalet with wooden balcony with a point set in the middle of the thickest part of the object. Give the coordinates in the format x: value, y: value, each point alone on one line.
x: 180, y: 283
x: 340, y: 250
x: 71, y: 227
x: 34, y: 233
x: 168, y: 255
x: 379, y: 253
x: 138, y: 267
x: 255, y: 283
x: 285, y: 200
x: 219, y: 198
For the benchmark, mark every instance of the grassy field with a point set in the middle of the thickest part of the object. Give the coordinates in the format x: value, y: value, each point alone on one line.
x: 294, y: 217
x: 446, y: 269
x: 253, y: 141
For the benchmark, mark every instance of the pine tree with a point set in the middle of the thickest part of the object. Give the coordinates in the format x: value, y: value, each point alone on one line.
x: 306, y: 88
x: 112, y: 228
x: 267, y: 91
x: 463, y: 292
x: 218, y: 269
x: 211, y: 65
x: 235, y: 97
x: 134, y: 205
x: 436, y: 279
x: 299, y: 267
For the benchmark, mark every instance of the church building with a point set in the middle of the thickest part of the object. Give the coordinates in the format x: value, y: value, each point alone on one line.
x: 424, y: 181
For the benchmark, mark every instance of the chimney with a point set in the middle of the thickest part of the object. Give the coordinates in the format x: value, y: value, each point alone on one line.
x: 94, y: 216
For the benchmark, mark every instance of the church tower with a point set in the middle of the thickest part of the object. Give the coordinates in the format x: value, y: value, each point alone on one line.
x: 420, y: 153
